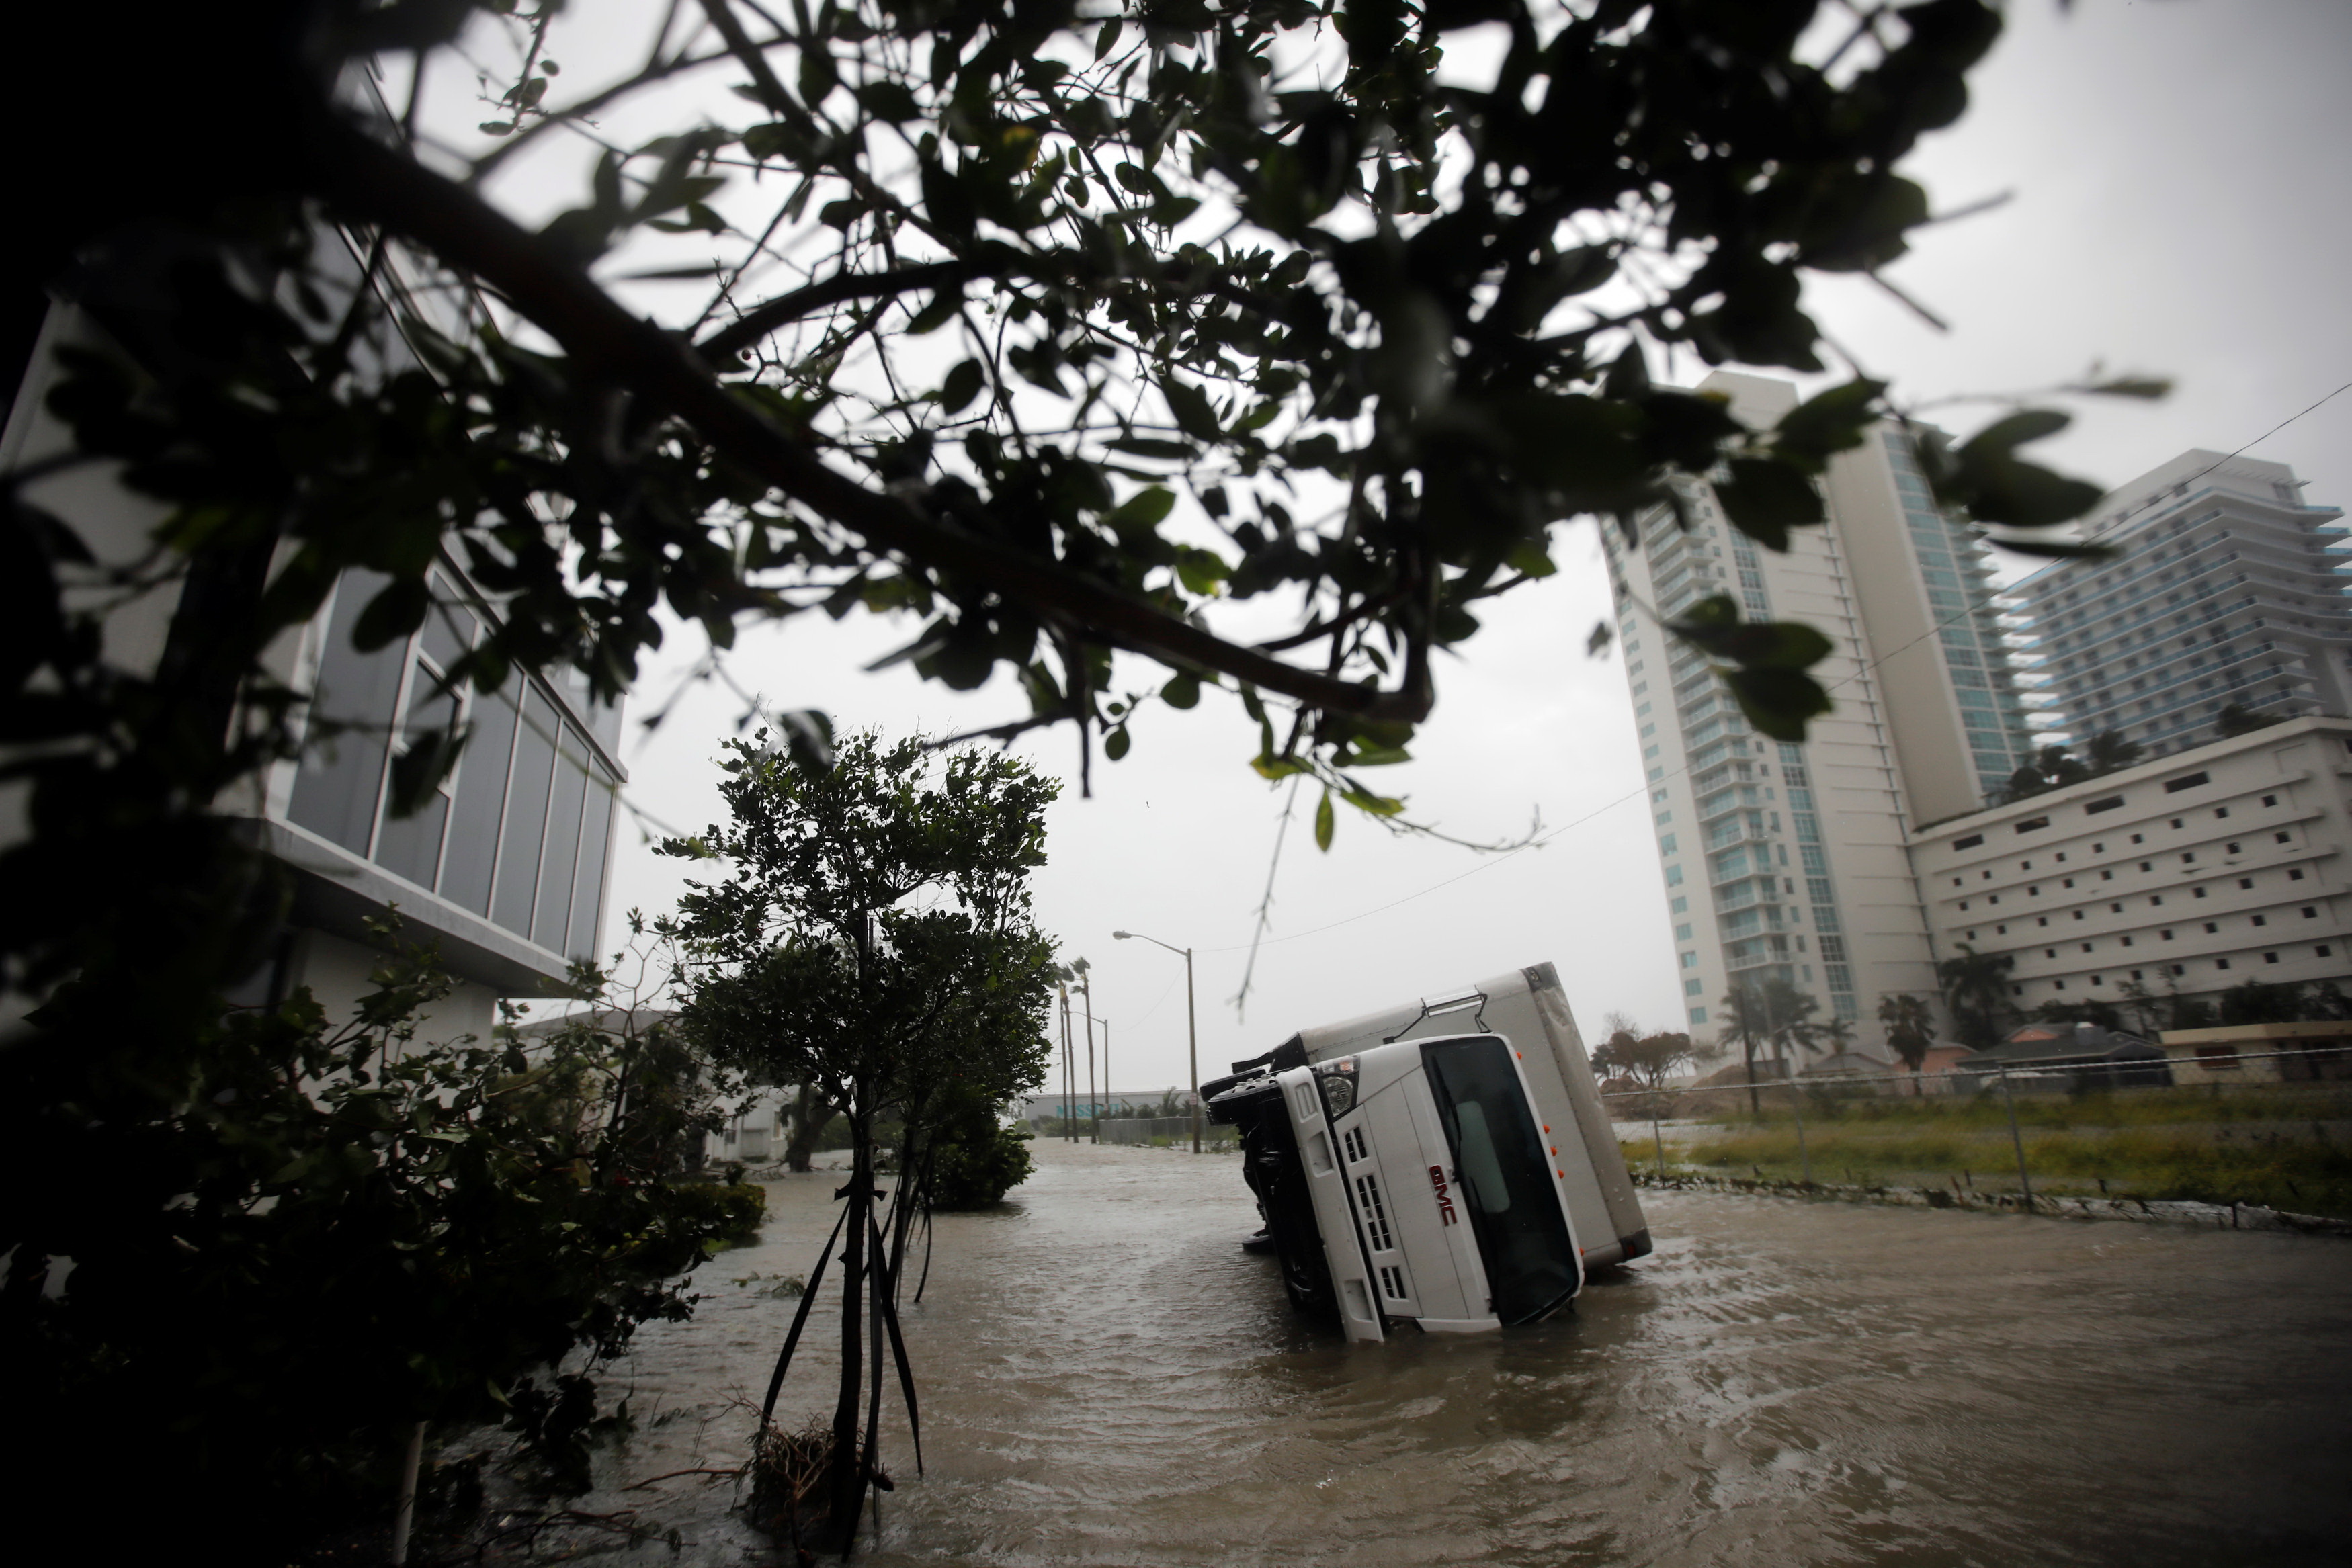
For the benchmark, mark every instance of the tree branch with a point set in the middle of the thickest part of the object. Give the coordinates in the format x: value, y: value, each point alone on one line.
x: 384, y: 186
x: 785, y: 308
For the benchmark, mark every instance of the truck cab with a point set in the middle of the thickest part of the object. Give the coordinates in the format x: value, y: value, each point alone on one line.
x: 1445, y: 1163
x: 1408, y: 1183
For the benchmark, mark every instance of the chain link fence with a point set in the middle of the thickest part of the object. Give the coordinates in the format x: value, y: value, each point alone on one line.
x: 1165, y: 1133
x: 2273, y: 1129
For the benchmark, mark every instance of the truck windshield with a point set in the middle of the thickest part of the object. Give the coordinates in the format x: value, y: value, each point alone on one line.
x: 1506, y: 1181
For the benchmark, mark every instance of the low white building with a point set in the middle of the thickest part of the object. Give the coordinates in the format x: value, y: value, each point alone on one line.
x: 2190, y: 873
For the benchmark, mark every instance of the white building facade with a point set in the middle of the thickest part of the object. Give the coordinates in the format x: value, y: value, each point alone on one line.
x: 504, y: 869
x: 2224, y: 588
x: 1789, y: 861
x: 2189, y: 875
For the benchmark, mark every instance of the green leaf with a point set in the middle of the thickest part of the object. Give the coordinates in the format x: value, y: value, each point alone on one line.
x: 1765, y: 498
x: 2064, y: 549
x: 1324, y: 822
x: 962, y: 386
x: 889, y: 100
x: 1191, y: 406
x: 2149, y: 388
x: 1106, y: 38
x: 1604, y: 634
x: 1378, y: 757
x: 938, y: 313
x: 1777, y: 701
x: 1143, y: 446
x: 818, y: 76
x: 391, y: 615
x: 1832, y: 421
x: 2003, y: 435
x: 1183, y: 692
x: 1201, y: 571
x: 1114, y: 743
x: 1143, y: 510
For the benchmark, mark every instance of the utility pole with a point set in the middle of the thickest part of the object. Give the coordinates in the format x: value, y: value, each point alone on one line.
x: 1192, y: 1024
x: 1094, y: 1102
x: 1068, y: 1081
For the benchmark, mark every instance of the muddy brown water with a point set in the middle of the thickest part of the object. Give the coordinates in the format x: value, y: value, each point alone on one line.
x: 1107, y: 1378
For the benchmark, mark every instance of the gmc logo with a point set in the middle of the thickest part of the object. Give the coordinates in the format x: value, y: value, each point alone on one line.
x: 1444, y: 1203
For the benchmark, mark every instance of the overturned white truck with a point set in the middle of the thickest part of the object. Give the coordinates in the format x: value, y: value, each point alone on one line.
x: 1446, y: 1164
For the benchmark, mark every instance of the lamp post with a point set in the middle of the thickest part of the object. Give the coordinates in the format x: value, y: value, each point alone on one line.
x: 1191, y: 1024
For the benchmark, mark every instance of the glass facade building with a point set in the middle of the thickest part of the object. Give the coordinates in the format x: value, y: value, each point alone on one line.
x: 2224, y: 588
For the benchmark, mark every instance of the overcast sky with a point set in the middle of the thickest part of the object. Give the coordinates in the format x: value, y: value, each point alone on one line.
x: 2179, y: 198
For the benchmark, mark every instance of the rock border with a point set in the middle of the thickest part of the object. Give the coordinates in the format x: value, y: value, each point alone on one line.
x: 2144, y: 1211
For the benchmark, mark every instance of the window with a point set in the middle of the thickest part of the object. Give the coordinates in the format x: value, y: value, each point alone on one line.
x: 2033, y: 824
x: 1971, y: 842
x: 2041, y: 920
x: 2211, y: 929
x: 2186, y: 781
x: 2321, y: 950
x: 2176, y: 822
x: 2261, y: 920
x: 2106, y: 876
x: 2220, y: 963
x: 2231, y: 849
x: 2245, y: 882
x: 2098, y: 849
x: 2270, y: 957
x: 2195, y: 893
x: 2310, y: 912
x: 1690, y: 961
x: 1694, y: 987
x: 1699, y: 1015
x: 2093, y: 808
x: 2270, y: 799
x: 1674, y: 876
x: 2294, y: 873
x: 2166, y: 934
x: 2001, y: 930
x: 2284, y: 838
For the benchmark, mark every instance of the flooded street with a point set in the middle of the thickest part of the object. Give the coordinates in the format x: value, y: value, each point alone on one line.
x: 1107, y: 1378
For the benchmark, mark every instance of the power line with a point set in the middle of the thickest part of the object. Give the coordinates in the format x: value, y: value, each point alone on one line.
x: 1648, y: 785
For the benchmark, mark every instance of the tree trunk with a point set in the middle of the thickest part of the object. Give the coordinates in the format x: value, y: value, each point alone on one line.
x: 809, y: 1116
x: 1748, y: 1055
x: 844, y: 1484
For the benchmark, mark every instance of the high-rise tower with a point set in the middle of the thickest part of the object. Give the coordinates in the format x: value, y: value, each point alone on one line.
x: 1786, y: 861
x: 2223, y: 589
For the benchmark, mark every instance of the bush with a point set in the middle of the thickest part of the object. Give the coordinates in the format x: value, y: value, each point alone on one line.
x: 732, y: 1214
x: 979, y: 1168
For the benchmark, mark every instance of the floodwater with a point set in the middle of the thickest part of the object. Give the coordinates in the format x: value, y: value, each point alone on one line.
x: 1107, y: 1378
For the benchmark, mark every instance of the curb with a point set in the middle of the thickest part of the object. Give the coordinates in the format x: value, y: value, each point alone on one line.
x: 2145, y: 1211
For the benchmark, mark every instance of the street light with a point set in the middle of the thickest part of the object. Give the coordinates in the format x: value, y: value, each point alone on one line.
x: 1191, y: 1024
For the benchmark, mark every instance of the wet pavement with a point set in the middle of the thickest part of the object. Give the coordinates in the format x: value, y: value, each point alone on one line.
x: 1107, y: 1378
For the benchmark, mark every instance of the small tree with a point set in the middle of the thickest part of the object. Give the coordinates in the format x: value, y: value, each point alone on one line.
x: 1652, y: 1059
x: 2257, y: 1001
x: 873, y: 941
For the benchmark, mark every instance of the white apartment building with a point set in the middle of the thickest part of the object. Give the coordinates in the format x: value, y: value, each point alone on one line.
x: 1787, y: 860
x: 2190, y: 873
x: 2224, y: 588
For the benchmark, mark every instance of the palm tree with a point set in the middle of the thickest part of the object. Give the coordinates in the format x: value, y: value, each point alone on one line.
x: 1910, y: 1029
x: 1774, y: 1010
x: 2109, y: 752
x: 1976, y: 992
